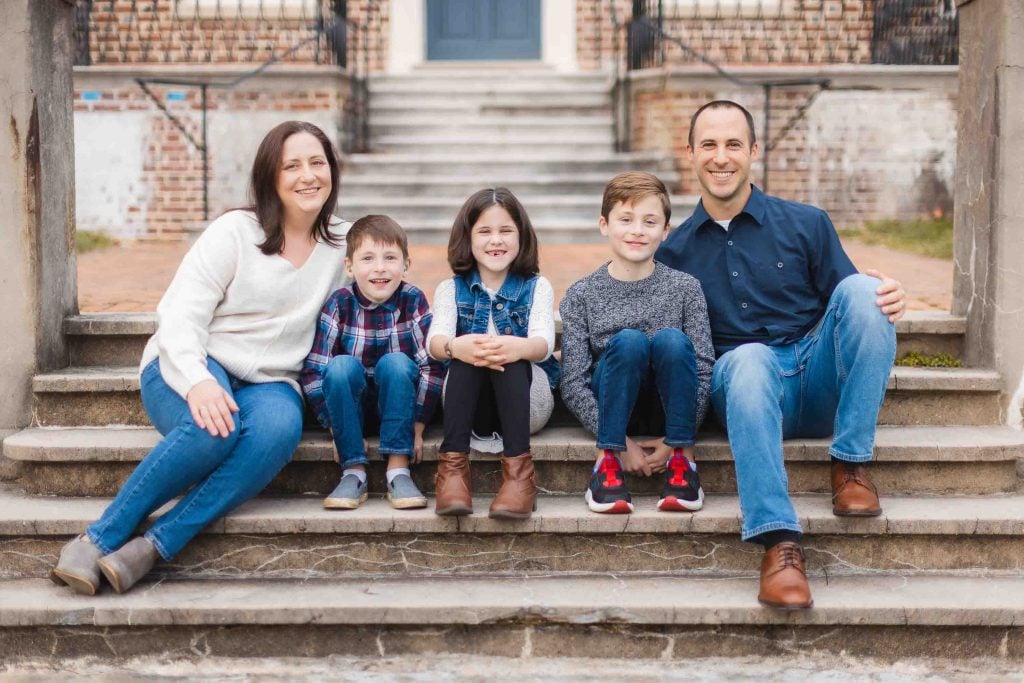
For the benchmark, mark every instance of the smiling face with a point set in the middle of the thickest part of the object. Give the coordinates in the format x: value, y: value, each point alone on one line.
x: 722, y: 155
x: 635, y: 231
x: 494, y: 240
x: 377, y: 269
x: 303, y: 179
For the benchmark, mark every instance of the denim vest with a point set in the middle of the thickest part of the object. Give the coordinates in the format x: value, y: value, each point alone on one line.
x: 510, y: 309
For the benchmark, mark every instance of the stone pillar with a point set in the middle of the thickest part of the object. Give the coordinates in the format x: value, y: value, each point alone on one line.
x: 37, y: 209
x: 989, y: 211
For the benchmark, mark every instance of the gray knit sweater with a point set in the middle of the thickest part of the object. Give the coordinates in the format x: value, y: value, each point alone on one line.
x: 598, y: 306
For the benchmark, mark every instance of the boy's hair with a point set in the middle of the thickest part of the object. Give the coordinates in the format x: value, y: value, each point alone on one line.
x: 632, y: 186
x: 723, y: 104
x: 380, y: 229
x: 460, y: 246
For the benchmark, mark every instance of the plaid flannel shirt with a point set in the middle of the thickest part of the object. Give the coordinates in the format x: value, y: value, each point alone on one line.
x: 352, y: 325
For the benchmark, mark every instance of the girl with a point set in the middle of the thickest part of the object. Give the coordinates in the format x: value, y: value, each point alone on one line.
x: 219, y: 375
x: 493, y: 323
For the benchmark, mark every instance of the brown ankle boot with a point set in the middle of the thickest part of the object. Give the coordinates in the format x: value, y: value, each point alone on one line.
x: 451, y: 484
x: 517, y: 497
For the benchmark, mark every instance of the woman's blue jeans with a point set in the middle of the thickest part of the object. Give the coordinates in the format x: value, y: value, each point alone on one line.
x: 352, y: 396
x: 831, y: 382
x: 223, y: 472
x: 661, y: 372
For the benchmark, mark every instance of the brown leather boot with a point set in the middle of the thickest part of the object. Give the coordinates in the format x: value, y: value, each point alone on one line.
x: 853, y: 494
x: 517, y: 497
x: 451, y: 484
x: 783, y: 581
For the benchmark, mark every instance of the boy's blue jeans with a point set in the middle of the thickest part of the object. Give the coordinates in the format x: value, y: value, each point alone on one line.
x: 389, y: 395
x: 831, y: 382
x: 223, y: 472
x: 661, y: 368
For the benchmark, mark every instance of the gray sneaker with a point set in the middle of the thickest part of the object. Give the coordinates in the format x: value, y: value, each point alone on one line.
x: 347, y: 495
x: 403, y: 494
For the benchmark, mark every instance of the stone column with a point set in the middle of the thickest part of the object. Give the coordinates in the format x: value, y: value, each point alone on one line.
x: 37, y: 208
x: 989, y: 212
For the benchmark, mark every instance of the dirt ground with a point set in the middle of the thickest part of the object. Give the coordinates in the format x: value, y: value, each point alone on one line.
x: 134, y: 275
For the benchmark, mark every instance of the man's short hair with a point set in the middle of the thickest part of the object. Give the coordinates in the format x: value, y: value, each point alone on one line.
x: 723, y: 104
x: 632, y: 186
x: 380, y: 229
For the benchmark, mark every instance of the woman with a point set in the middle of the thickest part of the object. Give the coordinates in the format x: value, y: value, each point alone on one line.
x: 219, y: 376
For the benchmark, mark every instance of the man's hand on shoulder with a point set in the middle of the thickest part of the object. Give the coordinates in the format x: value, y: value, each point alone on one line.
x: 892, y: 298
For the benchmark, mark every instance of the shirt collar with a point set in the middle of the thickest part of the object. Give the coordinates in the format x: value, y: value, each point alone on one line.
x: 390, y: 305
x: 510, y: 290
x: 755, y: 208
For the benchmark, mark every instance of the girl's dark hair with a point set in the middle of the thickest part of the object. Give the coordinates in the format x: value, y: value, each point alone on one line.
x: 460, y: 250
x: 263, y: 199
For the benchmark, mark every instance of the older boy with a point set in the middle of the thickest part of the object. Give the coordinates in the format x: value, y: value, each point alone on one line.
x: 369, y: 363
x: 636, y: 353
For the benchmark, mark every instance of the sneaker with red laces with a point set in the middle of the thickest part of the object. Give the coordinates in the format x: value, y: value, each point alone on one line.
x: 682, y: 491
x: 607, y: 492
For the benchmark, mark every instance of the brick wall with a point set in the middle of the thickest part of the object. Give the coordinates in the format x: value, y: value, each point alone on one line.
x: 880, y: 144
x: 137, y: 173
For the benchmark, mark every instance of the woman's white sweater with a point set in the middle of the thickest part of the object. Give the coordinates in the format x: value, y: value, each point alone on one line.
x: 252, y: 313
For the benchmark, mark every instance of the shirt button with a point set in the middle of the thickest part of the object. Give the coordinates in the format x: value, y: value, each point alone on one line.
x: 779, y: 264
x: 500, y: 306
x: 744, y: 305
x: 729, y: 243
x: 735, y: 274
x: 508, y: 330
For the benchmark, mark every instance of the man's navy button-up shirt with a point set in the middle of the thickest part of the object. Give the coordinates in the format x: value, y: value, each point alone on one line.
x: 769, y: 277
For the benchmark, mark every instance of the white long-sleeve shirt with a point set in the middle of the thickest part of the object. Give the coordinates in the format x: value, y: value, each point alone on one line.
x: 252, y: 313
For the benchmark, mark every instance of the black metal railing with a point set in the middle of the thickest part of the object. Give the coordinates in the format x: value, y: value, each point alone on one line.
x: 207, y: 31
x: 915, y: 32
x: 793, y: 32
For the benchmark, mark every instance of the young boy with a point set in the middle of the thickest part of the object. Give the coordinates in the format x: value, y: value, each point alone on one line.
x: 637, y: 354
x: 369, y: 365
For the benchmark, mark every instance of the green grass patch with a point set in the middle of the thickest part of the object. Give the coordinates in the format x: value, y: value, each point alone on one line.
x: 927, y: 236
x: 88, y: 240
x: 915, y: 359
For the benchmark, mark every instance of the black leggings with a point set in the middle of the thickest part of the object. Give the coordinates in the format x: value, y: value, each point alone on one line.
x: 486, y: 401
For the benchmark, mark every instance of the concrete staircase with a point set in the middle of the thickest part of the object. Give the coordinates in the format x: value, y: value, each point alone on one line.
x: 939, y: 574
x: 442, y: 133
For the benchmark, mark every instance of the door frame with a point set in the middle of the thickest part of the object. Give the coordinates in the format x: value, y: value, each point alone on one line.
x: 407, y: 41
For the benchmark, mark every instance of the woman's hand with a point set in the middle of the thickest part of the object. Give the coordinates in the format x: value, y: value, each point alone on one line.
x: 211, y: 407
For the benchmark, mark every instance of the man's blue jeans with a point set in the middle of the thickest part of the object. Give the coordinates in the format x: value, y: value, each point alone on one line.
x: 831, y: 382
x: 389, y: 395
x: 223, y: 472
x: 663, y: 368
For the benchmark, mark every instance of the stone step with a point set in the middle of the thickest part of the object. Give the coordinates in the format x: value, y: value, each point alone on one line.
x: 457, y: 107
x: 544, y: 211
x: 295, y: 537
x: 506, y: 101
x: 658, y: 617
x: 462, y: 185
x: 496, y: 146
x: 477, y: 86
x: 416, y: 121
x: 582, y: 161
x: 118, y: 338
x: 917, y: 396
x: 947, y: 460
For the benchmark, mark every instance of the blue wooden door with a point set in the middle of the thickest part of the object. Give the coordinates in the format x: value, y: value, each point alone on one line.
x: 483, y: 29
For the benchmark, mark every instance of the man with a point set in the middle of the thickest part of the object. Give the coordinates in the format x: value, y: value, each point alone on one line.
x: 804, y: 343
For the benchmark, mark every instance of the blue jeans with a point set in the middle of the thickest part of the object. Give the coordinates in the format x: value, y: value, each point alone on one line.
x: 661, y: 372
x: 831, y: 382
x: 389, y: 395
x: 223, y: 472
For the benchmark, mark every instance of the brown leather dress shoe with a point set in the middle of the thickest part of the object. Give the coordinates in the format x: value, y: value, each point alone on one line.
x: 853, y: 494
x: 517, y: 497
x: 451, y: 484
x: 783, y: 581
